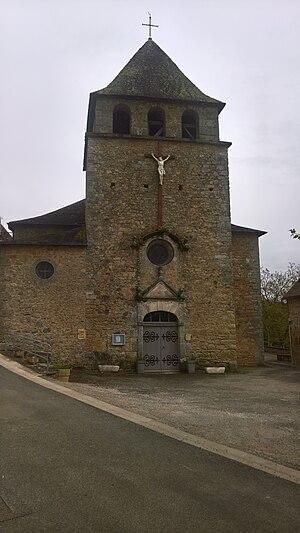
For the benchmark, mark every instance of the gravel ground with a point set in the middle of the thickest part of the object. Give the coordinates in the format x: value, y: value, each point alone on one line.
x: 256, y: 411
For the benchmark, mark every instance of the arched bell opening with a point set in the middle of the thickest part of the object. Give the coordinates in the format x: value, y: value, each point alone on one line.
x: 156, y: 122
x: 189, y: 125
x: 121, y: 120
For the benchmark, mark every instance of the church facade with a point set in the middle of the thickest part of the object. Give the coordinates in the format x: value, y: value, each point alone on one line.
x: 148, y: 266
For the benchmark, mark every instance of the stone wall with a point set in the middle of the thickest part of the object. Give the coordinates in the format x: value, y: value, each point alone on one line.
x: 48, y: 310
x: 108, y: 287
x: 294, y: 317
x: 208, y: 117
x: 247, y: 296
x: 122, y: 205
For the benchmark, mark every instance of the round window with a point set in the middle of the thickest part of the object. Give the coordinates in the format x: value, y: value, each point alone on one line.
x: 44, y: 270
x: 160, y: 252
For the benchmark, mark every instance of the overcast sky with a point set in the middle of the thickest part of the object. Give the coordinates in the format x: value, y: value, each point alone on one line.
x: 247, y: 54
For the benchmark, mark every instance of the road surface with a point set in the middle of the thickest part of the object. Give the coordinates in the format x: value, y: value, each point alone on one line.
x: 66, y: 467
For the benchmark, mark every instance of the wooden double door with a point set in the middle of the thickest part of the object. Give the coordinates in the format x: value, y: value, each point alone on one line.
x: 160, y: 347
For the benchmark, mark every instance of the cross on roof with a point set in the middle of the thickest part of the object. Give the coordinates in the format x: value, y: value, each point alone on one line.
x: 150, y: 26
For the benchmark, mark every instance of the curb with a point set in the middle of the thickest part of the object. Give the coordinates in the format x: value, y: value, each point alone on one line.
x: 250, y: 460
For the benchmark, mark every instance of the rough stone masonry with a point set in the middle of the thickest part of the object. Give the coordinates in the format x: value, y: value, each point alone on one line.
x: 141, y: 260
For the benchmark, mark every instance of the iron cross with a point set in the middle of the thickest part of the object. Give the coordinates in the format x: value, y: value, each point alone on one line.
x: 150, y: 26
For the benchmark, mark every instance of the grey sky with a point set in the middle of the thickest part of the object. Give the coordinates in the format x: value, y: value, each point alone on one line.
x: 54, y: 53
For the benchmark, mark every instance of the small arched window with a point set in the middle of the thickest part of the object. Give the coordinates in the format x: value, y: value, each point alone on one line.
x: 189, y: 124
x: 156, y: 123
x: 121, y: 120
x: 160, y: 316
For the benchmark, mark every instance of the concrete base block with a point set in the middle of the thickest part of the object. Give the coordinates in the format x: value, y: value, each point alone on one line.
x: 233, y: 366
x: 215, y: 369
x: 108, y: 368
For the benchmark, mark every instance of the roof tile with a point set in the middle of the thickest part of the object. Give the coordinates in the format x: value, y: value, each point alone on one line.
x: 151, y: 73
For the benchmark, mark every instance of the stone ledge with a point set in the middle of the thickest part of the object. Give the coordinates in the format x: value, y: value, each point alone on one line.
x: 215, y: 369
x: 108, y: 368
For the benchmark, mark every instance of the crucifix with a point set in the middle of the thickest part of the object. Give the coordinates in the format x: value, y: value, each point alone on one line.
x: 161, y: 166
x: 160, y: 159
x: 150, y: 26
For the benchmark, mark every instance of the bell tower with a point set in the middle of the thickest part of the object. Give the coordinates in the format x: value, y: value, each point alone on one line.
x: 159, y: 254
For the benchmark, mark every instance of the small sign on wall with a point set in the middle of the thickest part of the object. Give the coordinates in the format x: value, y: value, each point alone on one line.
x: 118, y: 339
x: 188, y: 337
x: 81, y: 334
x: 90, y: 295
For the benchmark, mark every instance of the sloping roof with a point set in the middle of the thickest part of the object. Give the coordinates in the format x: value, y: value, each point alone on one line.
x: 294, y: 291
x: 151, y: 73
x: 71, y: 215
x: 4, y: 235
x: 242, y: 229
x: 70, y: 237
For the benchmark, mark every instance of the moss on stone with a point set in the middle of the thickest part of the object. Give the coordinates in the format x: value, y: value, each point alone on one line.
x: 151, y: 73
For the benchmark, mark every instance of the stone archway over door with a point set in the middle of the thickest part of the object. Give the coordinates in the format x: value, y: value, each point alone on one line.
x: 160, y: 342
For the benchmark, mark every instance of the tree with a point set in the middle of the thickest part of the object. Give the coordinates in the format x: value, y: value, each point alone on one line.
x: 275, y: 324
x: 274, y: 286
x: 294, y: 234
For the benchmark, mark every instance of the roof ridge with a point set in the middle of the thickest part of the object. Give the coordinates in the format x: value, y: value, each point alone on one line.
x: 152, y: 73
x: 72, y: 214
x: 244, y: 229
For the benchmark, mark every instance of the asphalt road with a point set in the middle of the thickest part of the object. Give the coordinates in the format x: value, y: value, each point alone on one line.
x: 68, y: 467
x: 255, y: 410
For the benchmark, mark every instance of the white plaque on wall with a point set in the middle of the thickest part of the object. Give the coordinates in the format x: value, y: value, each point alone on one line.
x: 118, y: 339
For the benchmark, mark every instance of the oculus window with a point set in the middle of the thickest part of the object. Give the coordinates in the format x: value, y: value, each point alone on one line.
x: 160, y: 252
x: 44, y: 270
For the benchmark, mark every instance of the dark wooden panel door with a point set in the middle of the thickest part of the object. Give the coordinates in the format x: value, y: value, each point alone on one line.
x: 169, y: 348
x: 160, y: 347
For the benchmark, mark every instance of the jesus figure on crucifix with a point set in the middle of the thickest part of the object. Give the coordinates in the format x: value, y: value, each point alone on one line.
x: 160, y: 168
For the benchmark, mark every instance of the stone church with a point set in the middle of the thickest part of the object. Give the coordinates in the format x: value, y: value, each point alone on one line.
x: 148, y: 266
